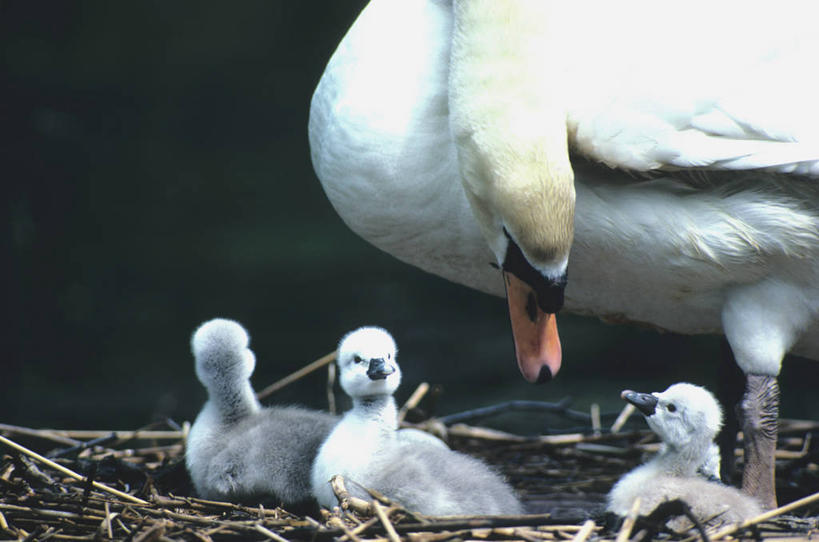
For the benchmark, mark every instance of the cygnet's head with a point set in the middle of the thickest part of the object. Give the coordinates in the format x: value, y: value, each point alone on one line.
x: 220, y: 349
x: 682, y: 414
x: 367, y: 363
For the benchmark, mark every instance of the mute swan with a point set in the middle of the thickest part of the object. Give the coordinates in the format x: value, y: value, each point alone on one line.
x: 363, y: 447
x: 442, y: 131
x: 686, y: 418
x: 236, y: 449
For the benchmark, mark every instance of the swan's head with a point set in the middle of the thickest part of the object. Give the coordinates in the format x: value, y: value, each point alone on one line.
x: 367, y: 363
x: 220, y: 348
x: 510, y: 131
x: 681, y: 415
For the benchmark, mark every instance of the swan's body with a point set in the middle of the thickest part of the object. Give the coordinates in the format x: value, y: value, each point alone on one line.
x: 686, y: 418
x: 365, y: 449
x: 237, y: 450
x: 734, y: 252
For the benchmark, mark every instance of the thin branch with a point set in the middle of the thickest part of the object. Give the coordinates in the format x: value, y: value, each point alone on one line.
x: 731, y: 529
x: 623, y: 417
x: 270, y: 534
x: 69, y: 472
x: 585, y: 531
x: 382, y: 516
x: 331, y: 395
x: 628, y: 523
x: 292, y: 377
x: 413, y: 400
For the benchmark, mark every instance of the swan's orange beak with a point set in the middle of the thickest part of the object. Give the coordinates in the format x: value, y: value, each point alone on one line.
x: 537, y: 344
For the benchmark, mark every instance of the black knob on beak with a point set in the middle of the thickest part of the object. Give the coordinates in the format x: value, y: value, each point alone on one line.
x: 645, y: 402
x: 378, y: 369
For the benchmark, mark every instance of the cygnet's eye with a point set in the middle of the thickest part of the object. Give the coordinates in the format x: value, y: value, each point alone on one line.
x: 357, y: 359
x: 671, y: 407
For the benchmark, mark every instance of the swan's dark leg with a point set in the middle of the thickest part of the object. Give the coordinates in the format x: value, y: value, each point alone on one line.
x: 760, y: 414
x: 730, y: 388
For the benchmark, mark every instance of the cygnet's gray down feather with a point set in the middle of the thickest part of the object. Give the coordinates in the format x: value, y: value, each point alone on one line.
x: 365, y: 448
x: 237, y: 450
x: 267, y: 454
x: 434, y: 480
x: 686, y: 418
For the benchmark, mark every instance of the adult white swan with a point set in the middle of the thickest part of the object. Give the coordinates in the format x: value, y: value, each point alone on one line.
x: 441, y: 133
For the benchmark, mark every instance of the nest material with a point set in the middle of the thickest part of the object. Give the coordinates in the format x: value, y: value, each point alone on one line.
x: 133, y: 486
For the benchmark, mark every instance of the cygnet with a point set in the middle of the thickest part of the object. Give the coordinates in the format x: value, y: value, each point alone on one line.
x: 237, y: 450
x: 366, y: 450
x: 686, y: 418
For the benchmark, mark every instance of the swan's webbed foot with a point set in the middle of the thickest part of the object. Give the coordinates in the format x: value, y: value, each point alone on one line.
x: 760, y: 413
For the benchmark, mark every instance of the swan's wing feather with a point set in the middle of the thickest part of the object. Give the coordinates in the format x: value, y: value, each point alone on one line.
x: 738, y: 93
x: 644, y: 140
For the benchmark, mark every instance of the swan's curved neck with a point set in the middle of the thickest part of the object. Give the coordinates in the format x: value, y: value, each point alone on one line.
x: 380, y: 409
x: 682, y: 461
x: 508, y: 119
x: 234, y: 400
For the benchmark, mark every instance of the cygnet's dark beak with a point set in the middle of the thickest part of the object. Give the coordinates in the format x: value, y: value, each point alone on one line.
x: 378, y: 369
x: 645, y: 402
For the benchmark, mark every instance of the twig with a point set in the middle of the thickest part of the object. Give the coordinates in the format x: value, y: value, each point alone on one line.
x: 90, y: 434
x: 69, y: 472
x: 153, y: 533
x: 766, y: 516
x: 584, y: 532
x: 379, y: 511
x: 413, y: 400
x: 622, y: 418
x: 108, y: 520
x: 270, y: 534
x: 83, y: 445
x: 595, y: 418
x: 628, y: 523
x: 337, y: 522
x: 561, y: 407
x: 347, y: 501
x: 292, y: 377
x: 462, y: 430
x: 353, y: 534
x: 47, y: 434
x: 331, y: 396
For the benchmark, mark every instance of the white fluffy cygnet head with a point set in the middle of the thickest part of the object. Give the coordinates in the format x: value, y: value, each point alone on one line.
x: 367, y: 363
x: 681, y: 414
x: 220, y: 348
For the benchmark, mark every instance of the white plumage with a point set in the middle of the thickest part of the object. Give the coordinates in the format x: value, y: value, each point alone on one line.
x: 723, y: 92
x: 686, y: 418
x: 367, y: 451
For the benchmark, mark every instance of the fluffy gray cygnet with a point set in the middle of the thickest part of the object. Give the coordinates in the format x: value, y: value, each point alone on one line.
x: 237, y: 450
x: 367, y: 451
x: 686, y: 418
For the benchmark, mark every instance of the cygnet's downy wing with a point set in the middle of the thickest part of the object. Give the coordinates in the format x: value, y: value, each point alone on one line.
x: 269, y: 454
x: 436, y: 481
x: 236, y: 450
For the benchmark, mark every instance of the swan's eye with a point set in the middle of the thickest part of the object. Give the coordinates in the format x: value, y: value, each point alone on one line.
x: 671, y: 407
x: 357, y: 359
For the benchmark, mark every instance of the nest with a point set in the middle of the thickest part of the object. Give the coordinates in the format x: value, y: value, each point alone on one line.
x: 132, y: 485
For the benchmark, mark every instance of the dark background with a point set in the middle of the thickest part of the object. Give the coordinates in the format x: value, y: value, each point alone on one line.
x: 156, y: 174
